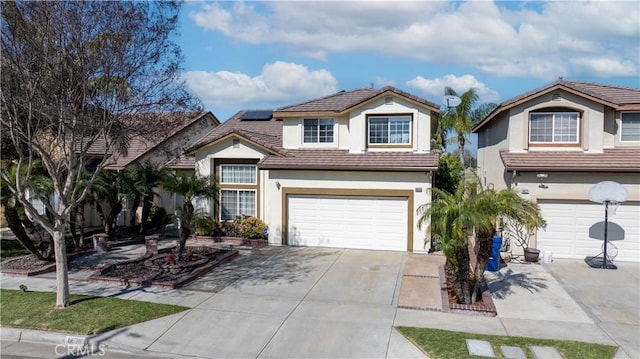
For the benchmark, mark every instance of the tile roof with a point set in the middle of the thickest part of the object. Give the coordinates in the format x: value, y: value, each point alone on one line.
x: 345, y: 100
x: 183, y: 162
x: 611, y: 160
x: 617, y: 97
x: 267, y: 133
x: 138, y: 146
x: 343, y: 160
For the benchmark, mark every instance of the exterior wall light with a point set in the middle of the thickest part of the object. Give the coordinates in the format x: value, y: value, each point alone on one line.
x: 542, y: 177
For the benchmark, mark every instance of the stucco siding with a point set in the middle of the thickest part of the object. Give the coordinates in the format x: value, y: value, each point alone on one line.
x: 223, y: 149
x: 490, y: 142
x: 420, y: 130
x: 591, y: 122
x: 276, y: 180
x: 293, y: 132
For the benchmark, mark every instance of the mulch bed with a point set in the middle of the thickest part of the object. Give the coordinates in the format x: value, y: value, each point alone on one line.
x: 483, y: 306
x: 28, y: 265
x: 164, y: 269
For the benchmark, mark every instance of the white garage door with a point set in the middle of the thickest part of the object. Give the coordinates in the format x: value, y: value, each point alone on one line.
x: 576, y: 229
x: 348, y: 222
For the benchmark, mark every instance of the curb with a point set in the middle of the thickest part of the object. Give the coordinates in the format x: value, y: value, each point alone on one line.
x: 56, y: 338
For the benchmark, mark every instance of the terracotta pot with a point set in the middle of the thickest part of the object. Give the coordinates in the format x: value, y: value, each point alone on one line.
x: 531, y: 255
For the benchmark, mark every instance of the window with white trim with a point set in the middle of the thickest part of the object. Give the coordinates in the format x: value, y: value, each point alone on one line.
x: 237, y: 202
x: 389, y: 130
x: 237, y: 174
x: 554, y: 127
x: 630, y: 127
x: 318, y: 130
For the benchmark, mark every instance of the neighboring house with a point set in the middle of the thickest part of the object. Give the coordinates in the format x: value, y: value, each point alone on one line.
x: 168, y: 150
x: 348, y: 170
x: 553, y: 144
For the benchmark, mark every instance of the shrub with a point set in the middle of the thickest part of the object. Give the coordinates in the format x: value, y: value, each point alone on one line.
x: 206, y: 226
x: 230, y: 229
x: 252, y: 228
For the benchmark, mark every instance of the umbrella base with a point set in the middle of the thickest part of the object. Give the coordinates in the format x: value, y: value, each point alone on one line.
x: 599, y: 262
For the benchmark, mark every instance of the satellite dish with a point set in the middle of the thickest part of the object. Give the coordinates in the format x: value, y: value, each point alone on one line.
x: 451, y: 100
x: 607, y: 191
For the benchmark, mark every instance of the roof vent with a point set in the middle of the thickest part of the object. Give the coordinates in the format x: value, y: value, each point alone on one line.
x: 388, y: 100
x: 556, y: 97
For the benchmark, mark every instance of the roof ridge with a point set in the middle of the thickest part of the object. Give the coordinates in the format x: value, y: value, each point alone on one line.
x: 339, y: 93
x: 604, y: 85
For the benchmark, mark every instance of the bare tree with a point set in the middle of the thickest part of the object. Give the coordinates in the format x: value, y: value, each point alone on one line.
x: 79, y: 79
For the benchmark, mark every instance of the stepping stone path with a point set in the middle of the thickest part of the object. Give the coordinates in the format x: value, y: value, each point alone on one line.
x: 485, y: 349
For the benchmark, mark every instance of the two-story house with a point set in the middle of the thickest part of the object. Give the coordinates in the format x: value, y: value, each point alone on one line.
x: 349, y: 170
x: 553, y: 144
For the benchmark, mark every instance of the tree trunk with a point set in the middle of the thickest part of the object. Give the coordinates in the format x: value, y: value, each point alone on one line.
x: 62, y: 275
x: 15, y: 224
x: 462, y: 274
x: 484, y: 243
x: 146, y: 210
x: 134, y: 209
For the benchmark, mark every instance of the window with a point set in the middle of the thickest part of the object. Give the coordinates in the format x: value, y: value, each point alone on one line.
x: 318, y: 130
x: 630, y: 126
x: 235, y: 202
x: 560, y: 127
x: 389, y: 130
x: 238, y: 174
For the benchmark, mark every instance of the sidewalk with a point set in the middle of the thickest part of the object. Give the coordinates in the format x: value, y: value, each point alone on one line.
x: 309, y: 296
x: 564, y: 300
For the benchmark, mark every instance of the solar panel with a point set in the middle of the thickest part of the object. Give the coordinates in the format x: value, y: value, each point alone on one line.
x: 257, y: 115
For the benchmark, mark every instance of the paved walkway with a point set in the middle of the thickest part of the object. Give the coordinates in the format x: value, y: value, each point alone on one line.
x: 312, y: 302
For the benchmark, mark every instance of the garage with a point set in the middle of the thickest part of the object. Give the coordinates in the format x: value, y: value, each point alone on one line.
x: 359, y: 222
x: 576, y: 229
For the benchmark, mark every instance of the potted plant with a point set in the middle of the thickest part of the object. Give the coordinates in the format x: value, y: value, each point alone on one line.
x: 521, y: 233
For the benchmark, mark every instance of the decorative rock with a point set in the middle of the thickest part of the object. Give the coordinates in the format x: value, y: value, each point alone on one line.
x: 480, y: 347
x: 510, y: 352
x: 545, y: 352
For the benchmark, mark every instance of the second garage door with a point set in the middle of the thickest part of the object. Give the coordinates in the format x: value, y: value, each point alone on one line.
x: 348, y: 222
x: 576, y: 229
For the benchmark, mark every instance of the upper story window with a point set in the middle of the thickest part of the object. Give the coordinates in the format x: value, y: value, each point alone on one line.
x: 237, y: 174
x: 554, y: 127
x: 630, y: 126
x: 389, y: 130
x: 318, y: 130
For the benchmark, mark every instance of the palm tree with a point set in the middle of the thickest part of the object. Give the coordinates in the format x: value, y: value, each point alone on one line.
x: 190, y: 187
x: 455, y: 217
x: 107, y: 193
x: 143, y: 178
x: 14, y: 210
x: 447, y: 218
x: 462, y: 119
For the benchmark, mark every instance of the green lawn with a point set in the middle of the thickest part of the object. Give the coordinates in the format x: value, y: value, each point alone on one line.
x: 87, y: 314
x: 441, y: 344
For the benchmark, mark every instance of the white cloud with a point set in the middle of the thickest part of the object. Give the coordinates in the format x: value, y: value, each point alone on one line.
x: 279, y: 83
x: 531, y: 40
x: 605, y: 66
x: 435, y: 87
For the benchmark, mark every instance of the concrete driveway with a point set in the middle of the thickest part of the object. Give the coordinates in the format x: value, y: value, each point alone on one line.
x: 300, y: 302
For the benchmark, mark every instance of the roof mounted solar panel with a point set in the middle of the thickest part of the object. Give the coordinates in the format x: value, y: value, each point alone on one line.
x: 256, y: 115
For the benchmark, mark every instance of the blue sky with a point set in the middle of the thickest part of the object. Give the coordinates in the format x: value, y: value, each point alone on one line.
x: 250, y: 55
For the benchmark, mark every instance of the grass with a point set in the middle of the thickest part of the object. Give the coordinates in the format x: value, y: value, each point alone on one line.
x: 10, y: 248
x: 87, y: 314
x: 443, y: 344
